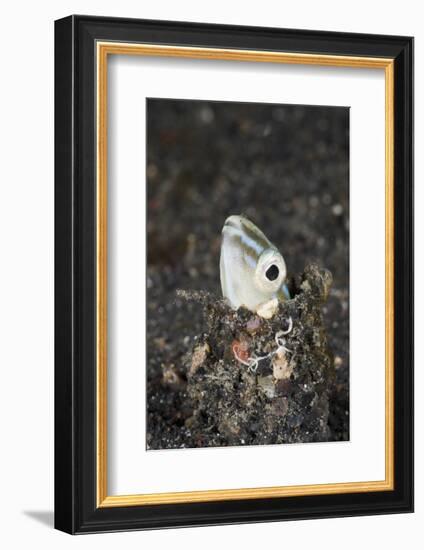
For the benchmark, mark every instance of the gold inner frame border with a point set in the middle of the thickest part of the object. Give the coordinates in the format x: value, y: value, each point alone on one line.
x: 103, y: 50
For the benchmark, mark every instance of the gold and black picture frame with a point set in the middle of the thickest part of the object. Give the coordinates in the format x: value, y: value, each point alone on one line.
x: 267, y: 367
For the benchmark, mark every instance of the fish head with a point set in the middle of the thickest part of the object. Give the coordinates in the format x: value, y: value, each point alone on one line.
x: 252, y: 269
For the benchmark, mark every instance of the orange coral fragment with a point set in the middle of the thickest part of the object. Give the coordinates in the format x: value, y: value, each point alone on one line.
x: 240, y: 350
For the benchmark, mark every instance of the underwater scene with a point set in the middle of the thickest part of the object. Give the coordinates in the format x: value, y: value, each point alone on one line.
x: 247, y: 274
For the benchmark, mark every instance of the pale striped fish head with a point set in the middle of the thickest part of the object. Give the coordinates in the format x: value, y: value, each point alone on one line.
x: 253, y: 271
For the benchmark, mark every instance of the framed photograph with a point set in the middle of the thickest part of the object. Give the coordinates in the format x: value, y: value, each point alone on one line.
x: 234, y: 274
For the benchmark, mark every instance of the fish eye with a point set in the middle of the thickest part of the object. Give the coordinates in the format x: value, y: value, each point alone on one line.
x: 272, y: 272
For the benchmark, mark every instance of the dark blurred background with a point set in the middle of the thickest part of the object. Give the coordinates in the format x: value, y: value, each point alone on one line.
x: 286, y: 167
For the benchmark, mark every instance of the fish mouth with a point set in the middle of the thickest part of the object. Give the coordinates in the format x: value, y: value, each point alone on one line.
x: 234, y: 222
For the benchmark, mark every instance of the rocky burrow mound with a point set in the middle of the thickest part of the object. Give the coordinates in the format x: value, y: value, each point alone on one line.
x: 255, y: 381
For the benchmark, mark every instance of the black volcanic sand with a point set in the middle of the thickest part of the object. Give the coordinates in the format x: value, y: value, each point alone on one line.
x: 286, y: 168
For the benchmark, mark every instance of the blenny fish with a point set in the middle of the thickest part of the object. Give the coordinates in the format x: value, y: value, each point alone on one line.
x: 253, y: 272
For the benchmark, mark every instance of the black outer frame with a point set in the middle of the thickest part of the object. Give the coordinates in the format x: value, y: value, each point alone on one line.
x: 75, y: 275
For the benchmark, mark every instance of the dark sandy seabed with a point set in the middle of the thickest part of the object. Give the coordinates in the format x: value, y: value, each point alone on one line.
x: 286, y: 168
